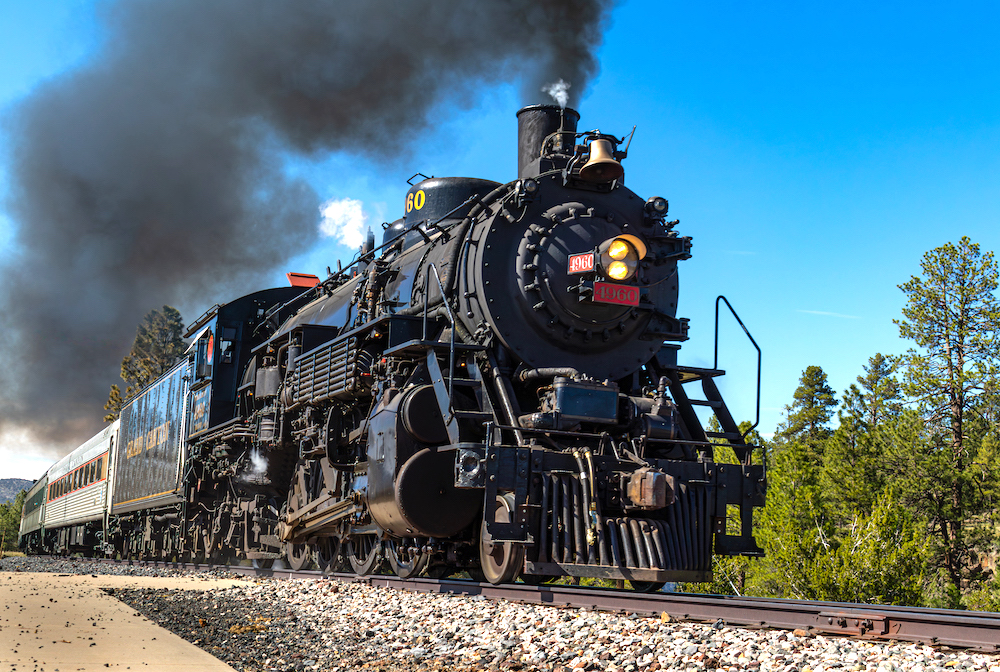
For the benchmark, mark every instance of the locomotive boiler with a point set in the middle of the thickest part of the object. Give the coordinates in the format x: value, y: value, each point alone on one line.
x: 494, y: 389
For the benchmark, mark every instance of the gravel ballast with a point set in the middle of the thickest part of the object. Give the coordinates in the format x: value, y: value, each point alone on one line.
x: 323, y: 624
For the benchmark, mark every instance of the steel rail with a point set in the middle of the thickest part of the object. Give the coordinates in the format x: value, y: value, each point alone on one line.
x: 975, y: 630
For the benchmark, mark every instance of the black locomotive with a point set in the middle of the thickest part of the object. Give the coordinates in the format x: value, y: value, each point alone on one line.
x: 494, y: 389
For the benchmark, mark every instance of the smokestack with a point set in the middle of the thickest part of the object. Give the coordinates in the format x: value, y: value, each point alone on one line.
x: 535, y: 123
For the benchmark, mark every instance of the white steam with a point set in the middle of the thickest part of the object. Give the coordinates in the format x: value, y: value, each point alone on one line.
x: 344, y: 219
x: 559, y: 91
x: 258, y: 463
x: 256, y: 471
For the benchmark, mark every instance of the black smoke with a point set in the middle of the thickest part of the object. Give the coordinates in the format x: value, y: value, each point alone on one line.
x: 154, y: 174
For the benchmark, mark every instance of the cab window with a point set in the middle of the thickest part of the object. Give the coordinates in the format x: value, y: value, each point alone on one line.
x: 205, y: 354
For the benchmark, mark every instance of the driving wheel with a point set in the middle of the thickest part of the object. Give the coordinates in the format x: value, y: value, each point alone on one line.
x: 297, y: 555
x: 327, y: 554
x: 364, y: 553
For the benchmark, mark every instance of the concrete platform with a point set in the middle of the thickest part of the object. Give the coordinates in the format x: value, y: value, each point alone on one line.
x: 66, y: 622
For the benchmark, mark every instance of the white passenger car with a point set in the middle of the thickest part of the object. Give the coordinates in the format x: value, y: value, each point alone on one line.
x: 30, y: 537
x: 76, y: 507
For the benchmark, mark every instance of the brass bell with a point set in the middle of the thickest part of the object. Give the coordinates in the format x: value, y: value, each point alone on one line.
x: 601, y: 166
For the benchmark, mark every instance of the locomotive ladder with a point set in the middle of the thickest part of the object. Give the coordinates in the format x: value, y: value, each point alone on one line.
x: 684, y: 375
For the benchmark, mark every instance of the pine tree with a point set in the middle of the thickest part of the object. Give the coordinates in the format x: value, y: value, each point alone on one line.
x: 833, y: 527
x: 880, y: 396
x: 795, y: 528
x: 951, y: 315
x: 813, y: 406
x: 881, y: 557
x: 854, y: 468
x: 158, y: 345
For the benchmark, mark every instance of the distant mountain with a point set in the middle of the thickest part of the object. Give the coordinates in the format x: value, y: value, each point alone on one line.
x: 9, y: 487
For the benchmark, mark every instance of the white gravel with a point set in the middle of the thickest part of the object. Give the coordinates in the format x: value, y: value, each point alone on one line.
x: 329, y: 625
x: 474, y: 631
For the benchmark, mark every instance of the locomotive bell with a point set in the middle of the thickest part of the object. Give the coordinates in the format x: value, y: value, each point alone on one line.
x: 602, y: 165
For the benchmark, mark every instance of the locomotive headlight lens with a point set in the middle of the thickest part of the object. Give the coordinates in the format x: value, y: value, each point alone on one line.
x: 620, y: 256
x: 619, y: 249
x: 619, y: 270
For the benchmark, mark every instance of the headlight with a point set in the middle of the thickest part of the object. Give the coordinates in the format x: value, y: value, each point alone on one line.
x: 619, y: 270
x: 618, y: 249
x: 619, y: 258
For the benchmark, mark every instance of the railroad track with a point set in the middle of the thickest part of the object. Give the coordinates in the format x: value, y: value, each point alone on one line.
x: 978, y: 631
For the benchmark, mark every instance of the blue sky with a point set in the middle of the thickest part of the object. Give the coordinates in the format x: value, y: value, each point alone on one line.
x: 813, y: 153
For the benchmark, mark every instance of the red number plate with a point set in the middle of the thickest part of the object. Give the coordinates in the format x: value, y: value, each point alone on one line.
x: 581, y: 263
x: 605, y: 292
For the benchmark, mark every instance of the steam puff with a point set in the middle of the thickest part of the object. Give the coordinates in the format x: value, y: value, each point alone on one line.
x: 559, y: 92
x: 345, y: 220
x: 154, y: 174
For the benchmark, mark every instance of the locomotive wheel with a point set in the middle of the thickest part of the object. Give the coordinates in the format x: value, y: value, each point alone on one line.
x: 327, y: 554
x: 646, y: 586
x: 297, y: 555
x: 402, y: 564
x: 262, y: 563
x: 500, y: 561
x: 364, y: 552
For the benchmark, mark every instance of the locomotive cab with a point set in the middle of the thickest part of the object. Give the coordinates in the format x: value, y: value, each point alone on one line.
x: 222, y: 343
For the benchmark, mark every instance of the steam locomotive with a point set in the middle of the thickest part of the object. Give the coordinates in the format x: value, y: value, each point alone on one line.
x: 494, y: 389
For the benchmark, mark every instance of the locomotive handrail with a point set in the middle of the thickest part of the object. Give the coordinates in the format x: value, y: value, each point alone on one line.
x: 746, y: 331
x: 592, y: 435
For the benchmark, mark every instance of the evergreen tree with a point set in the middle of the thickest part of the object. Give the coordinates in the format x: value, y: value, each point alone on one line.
x: 794, y: 529
x: 158, y: 345
x: 813, y: 406
x: 880, y: 396
x: 881, y: 558
x: 833, y: 527
x: 854, y: 468
x: 10, y: 521
x: 952, y: 316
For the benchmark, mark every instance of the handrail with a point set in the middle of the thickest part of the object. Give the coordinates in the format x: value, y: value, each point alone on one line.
x: 746, y: 331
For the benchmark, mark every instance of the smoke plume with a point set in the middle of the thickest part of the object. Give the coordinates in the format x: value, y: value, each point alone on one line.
x: 153, y: 174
